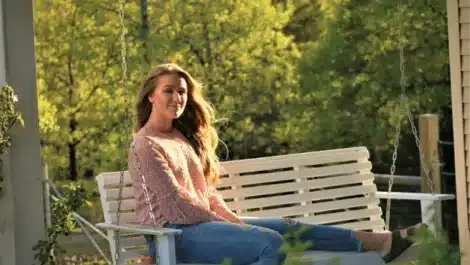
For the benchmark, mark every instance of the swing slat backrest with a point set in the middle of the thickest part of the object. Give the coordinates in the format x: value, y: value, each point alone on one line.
x: 334, y: 187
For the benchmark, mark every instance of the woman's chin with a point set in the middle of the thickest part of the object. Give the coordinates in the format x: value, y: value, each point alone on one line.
x: 175, y: 115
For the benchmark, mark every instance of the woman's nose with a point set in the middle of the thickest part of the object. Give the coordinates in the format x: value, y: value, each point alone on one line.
x: 177, y: 97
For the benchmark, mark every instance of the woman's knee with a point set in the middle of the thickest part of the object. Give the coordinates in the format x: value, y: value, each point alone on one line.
x: 270, y: 239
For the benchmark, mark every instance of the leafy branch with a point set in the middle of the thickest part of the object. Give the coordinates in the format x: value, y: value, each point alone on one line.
x: 62, y: 223
x: 8, y: 115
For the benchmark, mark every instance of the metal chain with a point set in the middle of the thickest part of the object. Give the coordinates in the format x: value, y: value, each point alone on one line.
x: 121, y: 181
x: 126, y: 120
x: 403, y: 102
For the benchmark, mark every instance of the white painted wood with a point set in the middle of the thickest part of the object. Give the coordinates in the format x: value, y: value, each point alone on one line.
x: 296, y: 186
x: 465, y: 31
x: 112, y: 194
x: 431, y: 214
x: 316, y: 172
x: 414, y: 196
x: 464, y: 15
x: 126, y: 205
x: 341, y: 216
x: 166, y: 250
x: 333, y: 187
x: 464, y: 3
x: 310, y: 196
x: 291, y: 160
x: 317, y: 207
x: 142, y: 229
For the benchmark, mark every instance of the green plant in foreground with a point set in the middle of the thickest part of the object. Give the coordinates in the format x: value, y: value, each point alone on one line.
x: 8, y: 115
x: 73, y: 199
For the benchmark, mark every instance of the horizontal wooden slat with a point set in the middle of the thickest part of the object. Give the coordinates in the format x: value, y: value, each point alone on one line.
x: 267, y: 163
x: 303, y: 173
x: 112, y: 194
x: 295, y: 186
x: 464, y: 48
x: 466, y: 94
x: 341, y: 216
x: 464, y: 3
x: 466, y: 110
x: 464, y: 14
x: 466, y: 63
x: 301, y: 159
x: 126, y: 205
x: 132, y: 241
x: 113, y: 178
x: 465, y: 31
x: 466, y: 83
x: 307, y: 196
x: 129, y: 217
x: 317, y: 207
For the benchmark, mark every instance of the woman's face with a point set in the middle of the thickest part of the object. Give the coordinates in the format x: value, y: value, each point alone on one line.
x: 170, y: 96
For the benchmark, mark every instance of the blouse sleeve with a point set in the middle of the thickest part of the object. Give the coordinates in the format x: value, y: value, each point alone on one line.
x: 218, y: 205
x: 173, y: 202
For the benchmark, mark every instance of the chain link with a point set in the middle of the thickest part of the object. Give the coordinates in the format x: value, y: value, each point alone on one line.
x: 404, y: 102
x: 127, y: 124
x: 126, y: 121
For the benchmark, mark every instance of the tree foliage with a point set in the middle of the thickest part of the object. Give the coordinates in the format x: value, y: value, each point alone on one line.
x: 284, y: 76
x: 351, y: 77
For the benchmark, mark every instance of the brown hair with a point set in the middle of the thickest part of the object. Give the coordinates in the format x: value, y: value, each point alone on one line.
x: 196, y: 122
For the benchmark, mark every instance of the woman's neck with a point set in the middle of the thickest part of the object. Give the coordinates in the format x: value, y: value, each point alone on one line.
x: 154, y: 125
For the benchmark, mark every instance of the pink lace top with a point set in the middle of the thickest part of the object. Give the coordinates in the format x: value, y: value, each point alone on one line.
x: 177, y: 188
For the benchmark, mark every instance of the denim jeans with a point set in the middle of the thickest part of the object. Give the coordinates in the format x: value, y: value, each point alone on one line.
x: 257, y: 242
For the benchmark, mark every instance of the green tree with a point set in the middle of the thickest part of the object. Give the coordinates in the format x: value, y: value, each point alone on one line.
x: 351, y: 75
x: 81, y: 98
x: 236, y: 48
x: 239, y: 51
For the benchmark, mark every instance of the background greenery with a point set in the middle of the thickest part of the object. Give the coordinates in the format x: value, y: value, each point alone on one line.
x: 285, y: 76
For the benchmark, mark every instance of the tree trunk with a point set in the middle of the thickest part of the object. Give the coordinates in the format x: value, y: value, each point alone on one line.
x: 144, y: 30
x: 73, y: 172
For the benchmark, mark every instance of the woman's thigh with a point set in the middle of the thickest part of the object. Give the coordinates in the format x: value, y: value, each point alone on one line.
x: 213, y: 242
x: 321, y: 237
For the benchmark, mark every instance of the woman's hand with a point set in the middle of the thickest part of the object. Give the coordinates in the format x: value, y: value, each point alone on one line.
x: 290, y: 221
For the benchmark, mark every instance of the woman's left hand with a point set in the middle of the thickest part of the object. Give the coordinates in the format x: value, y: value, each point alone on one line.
x: 290, y: 221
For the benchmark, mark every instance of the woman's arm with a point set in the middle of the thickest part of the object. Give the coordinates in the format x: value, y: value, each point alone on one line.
x: 219, y: 206
x: 176, y: 205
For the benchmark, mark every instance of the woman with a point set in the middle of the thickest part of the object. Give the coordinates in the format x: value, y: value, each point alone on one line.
x: 174, y: 149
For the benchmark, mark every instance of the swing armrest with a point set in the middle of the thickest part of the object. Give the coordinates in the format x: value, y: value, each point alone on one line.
x: 416, y: 196
x: 431, y: 206
x: 141, y: 229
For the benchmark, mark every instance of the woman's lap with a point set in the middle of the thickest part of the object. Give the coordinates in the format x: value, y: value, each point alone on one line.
x: 211, y: 242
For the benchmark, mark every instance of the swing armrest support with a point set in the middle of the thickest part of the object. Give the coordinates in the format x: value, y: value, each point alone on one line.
x: 431, y: 206
x: 165, y: 238
x: 141, y: 229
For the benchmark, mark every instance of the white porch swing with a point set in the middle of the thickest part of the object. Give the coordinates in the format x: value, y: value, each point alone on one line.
x: 325, y: 187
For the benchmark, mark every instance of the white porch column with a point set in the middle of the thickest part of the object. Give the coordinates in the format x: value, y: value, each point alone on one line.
x: 21, y: 207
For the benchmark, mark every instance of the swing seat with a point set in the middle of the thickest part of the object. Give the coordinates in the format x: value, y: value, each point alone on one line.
x: 331, y: 187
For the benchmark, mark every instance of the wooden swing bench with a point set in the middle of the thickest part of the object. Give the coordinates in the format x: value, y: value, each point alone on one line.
x: 334, y: 187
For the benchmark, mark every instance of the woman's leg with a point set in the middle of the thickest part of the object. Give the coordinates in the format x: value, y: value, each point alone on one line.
x: 213, y: 242
x: 330, y: 238
x: 321, y: 237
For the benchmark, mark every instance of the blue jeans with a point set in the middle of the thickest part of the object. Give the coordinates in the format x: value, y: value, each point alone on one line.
x: 258, y: 242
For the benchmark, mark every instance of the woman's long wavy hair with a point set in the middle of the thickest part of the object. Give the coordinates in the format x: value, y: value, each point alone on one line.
x: 196, y: 122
